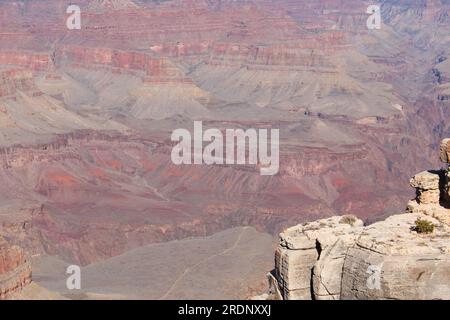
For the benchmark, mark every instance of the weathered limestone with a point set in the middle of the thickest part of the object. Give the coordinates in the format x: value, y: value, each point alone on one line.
x: 327, y: 272
x: 339, y: 258
x: 327, y: 260
x: 411, y: 266
x: 15, y: 270
x: 438, y: 212
x: 445, y: 157
x: 427, y: 184
x: 446, y: 191
x: 294, y: 272
x: 432, y: 188
x: 303, y: 253
x: 445, y: 151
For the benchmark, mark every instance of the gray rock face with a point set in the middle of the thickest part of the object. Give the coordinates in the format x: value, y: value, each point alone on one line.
x: 340, y: 258
x: 445, y: 157
x: 433, y: 198
x: 387, y: 260
x: 309, y: 257
x: 294, y: 272
x: 445, y: 151
x: 427, y: 184
x: 447, y: 187
x: 390, y: 261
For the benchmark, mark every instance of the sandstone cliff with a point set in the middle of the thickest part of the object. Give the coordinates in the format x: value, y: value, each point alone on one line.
x: 340, y: 258
x: 15, y: 270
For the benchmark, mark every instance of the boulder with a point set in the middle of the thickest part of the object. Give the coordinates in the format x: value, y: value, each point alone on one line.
x: 427, y: 186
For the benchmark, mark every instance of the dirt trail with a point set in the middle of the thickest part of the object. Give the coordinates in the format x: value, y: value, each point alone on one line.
x: 190, y: 269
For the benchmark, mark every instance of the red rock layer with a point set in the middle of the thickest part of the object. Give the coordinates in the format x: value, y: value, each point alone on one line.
x: 119, y: 60
x: 15, y: 270
x: 12, y: 80
x: 169, y: 202
x: 31, y: 61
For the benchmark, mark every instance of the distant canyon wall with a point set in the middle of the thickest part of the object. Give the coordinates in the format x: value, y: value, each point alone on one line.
x: 15, y: 270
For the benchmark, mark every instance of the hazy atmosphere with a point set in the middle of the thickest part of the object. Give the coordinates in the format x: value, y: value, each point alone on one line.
x: 224, y: 149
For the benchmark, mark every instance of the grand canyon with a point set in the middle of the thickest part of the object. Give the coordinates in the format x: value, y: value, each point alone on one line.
x: 86, y: 117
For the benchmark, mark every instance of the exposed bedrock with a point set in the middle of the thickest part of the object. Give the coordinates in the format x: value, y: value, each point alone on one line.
x: 26, y: 59
x: 387, y: 260
x: 445, y: 151
x: 15, y: 270
x: 340, y: 258
x: 310, y: 254
x: 80, y: 186
x: 117, y: 59
x: 349, y: 106
x: 12, y: 80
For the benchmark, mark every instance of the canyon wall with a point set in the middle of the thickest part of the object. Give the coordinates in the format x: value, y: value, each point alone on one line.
x: 15, y: 270
x: 86, y: 116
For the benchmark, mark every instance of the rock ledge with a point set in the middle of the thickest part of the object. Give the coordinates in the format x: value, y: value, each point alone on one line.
x: 340, y: 258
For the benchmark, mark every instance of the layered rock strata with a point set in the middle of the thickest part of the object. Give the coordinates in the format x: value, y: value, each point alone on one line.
x: 15, y: 270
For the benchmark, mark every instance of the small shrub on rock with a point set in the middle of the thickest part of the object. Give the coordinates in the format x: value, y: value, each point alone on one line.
x: 348, y: 220
x: 423, y: 226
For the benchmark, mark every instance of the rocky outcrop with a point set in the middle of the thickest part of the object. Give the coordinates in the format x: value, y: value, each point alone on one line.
x: 33, y: 61
x: 330, y: 260
x: 102, y: 5
x: 150, y: 69
x: 445, y: 151
x: 392, y: 261
x: 309, y: 254
x: 15, y: 270
x: 12, y: 80
x: 340, y: 258
x: 445, y: 157
x: 427, y: 186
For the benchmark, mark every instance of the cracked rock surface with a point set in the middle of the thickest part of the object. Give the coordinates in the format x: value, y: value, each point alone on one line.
x: 328, y: 259
x: 341, y: 259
